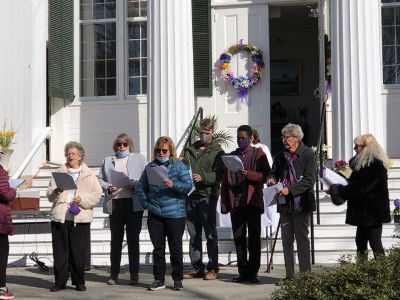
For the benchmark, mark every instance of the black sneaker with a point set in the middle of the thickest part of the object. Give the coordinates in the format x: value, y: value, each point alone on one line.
x: 157, y: 285
x: 178, y: 286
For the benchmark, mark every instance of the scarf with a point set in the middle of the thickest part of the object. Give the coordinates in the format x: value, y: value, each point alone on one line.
x: 289, y: 177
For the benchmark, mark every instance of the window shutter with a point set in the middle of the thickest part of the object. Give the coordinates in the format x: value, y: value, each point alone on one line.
x: 201, y: 21
x: 60, y: 49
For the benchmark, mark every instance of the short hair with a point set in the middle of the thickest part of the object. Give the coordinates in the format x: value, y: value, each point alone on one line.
x: 293, y: 130
x: 164, y: 140
x: 126, y: 139
x: 246, y: 128
x: 207, y: 123
x: 78, y: 146
x: 256, y: 136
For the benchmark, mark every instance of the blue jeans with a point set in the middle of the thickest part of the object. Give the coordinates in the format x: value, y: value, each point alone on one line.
x: 201, y: 214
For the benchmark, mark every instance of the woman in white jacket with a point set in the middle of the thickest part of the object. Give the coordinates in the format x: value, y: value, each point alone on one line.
x: 71, y: 215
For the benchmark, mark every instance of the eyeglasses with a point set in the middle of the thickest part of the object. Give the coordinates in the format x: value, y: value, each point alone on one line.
x: 164, y: 151
x: 286, y: 137
x: 122, y: 144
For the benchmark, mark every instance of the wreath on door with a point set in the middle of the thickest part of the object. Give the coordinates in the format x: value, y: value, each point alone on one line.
x: 241, y: 83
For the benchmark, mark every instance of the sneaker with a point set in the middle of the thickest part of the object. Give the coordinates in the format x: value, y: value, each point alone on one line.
x: 112, y: 281
x: 211, y: 275
x: 193, y: 274
x: 178, y: 286
x: 157, y: 285
x: 5, y: 294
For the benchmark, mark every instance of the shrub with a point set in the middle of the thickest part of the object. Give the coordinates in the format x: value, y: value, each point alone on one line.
x: 377, y: 279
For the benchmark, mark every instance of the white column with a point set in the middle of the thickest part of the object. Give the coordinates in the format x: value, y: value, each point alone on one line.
x: 171, y: 91
x: 356, y: 73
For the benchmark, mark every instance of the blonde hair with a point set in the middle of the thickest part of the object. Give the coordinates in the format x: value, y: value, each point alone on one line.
x: 126, y: 139
x: 372, y: 150
x: 165, y: 140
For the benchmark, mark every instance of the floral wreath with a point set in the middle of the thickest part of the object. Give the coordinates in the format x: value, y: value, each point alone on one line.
x: 242, y: 83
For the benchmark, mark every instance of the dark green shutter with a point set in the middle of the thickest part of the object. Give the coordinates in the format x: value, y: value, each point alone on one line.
x: 201, y: 21
x: 60, y: 49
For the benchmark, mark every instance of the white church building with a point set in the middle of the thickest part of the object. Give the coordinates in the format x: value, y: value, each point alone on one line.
x: 91, y: 69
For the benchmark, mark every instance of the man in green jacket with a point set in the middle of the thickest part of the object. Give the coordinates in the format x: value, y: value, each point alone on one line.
x: 204, y: 159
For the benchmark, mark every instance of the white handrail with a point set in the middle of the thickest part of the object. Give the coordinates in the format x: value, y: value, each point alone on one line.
x: 43, y: 136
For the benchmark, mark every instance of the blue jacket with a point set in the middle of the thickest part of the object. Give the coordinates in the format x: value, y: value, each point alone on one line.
x: 163, y: 201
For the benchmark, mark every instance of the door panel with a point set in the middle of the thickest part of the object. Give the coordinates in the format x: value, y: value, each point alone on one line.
x: 230, y: 26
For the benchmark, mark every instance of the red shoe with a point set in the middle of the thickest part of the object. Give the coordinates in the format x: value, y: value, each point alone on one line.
x: 5, y: 294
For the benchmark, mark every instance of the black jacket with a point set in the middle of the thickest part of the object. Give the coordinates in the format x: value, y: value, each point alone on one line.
x: 305, y: 166
x: 367, y: 196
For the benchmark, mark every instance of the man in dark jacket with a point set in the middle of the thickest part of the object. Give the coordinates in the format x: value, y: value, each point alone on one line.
x: 242, y: 196
x: 204, y: 159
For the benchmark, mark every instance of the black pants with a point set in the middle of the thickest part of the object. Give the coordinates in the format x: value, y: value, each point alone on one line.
x: 4, y: 250
x: 173, y: 229
x: 371, y: 234
x: 201, y: 213
x: 124, y: 218
x: 69, y: 251
x: 244, y: 218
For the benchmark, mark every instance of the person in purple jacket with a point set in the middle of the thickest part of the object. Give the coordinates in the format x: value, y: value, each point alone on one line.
x: 7, y: 194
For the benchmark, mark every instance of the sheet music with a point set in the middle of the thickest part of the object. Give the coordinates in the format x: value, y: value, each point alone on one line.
x: 15, y: 183
x: 271, y: 194
x: 156, y: 175
x: 232, y: 162
x: 64, y: 181
x: 329, y: 177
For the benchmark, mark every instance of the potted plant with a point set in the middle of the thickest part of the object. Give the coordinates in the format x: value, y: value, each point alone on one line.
x: 396, y: 211
x: 6, y: 140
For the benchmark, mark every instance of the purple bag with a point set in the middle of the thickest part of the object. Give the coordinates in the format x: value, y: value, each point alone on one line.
x: 74, y: 209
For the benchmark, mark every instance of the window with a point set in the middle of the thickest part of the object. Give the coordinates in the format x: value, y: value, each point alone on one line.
x: 391, y: 41
x: 110, y: 66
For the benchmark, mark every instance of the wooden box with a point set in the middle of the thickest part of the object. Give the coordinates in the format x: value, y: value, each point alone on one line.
x: 26, y: 200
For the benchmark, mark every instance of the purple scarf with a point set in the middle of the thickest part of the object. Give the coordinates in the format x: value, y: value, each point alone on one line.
x: 289, y: 177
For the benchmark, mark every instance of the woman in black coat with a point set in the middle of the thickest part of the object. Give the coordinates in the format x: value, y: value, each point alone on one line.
x: 367, y: 194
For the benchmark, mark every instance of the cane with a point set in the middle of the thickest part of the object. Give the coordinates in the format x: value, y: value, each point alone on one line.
x: 273, y: 247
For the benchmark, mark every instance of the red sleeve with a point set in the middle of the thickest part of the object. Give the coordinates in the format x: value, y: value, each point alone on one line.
x: 7, y: 194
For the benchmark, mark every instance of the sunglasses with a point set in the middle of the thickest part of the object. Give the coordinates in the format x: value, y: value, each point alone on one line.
x: 122, y: 144
x: 164, y: 151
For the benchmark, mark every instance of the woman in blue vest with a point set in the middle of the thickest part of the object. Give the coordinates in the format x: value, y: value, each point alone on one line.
x: 165, y: 199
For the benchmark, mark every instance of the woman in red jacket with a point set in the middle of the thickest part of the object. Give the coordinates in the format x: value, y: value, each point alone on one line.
x: 7, y: 194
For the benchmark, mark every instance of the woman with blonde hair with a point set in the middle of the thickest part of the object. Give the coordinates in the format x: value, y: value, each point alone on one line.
x: 119, y: 174
x: 367, y: 194
x: 166, y: 204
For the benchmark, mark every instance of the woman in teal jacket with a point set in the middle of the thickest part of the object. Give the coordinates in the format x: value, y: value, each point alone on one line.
x: 166, y: 210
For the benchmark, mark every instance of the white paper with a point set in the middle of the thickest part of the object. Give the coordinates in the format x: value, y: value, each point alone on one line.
x: 118, y: 179
x: 156, y: 175
x: 64, y: 181
x: 193, y: 186
x: 15, y: 183
x: 330, y: 177
x: 271, y: 194
x: 223, y: 220
x: 232, y: 162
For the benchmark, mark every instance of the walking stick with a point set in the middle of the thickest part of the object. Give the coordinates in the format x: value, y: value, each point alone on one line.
x: 273, y: 247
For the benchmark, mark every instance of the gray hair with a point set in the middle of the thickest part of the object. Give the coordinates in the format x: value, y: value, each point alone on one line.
x: 76, y: 145
x: 293, y: 130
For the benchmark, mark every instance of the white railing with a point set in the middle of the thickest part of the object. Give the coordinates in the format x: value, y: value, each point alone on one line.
x: 43, y: 136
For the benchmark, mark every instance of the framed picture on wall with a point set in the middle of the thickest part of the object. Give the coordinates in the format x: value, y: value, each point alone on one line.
x: 285, y: 77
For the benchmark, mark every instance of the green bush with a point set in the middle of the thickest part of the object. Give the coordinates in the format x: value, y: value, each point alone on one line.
x: 361, y: 279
